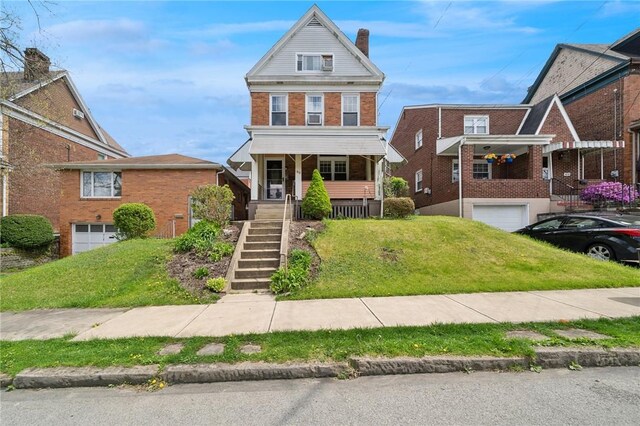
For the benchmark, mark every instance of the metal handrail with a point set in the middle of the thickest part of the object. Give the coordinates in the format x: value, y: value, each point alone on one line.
x: 287, y: 202
x: 573, y: 192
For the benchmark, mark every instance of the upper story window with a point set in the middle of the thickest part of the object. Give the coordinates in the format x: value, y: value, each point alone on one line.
x: 418, y: 139
x: 314, y: 62
x: 101, y: 184
x: 315, y: 108
x: 476, y: 124
x: 278, y: 110
x: 350, y: 110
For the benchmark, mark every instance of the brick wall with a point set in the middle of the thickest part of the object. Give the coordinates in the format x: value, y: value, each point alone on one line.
x: 555, y: 124
x: 34, y: 188
x: 56, y: 102
x: 297, y: 109
x: 165, y: 191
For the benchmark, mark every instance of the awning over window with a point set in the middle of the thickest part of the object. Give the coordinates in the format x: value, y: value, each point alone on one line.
x: 557, y: 146
x: 370, y: 144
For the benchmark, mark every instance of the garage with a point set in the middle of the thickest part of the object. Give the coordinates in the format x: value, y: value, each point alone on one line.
x: 87, y: 236
x: 506, y: 217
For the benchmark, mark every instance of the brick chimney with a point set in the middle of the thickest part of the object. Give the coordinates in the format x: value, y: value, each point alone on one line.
x: 362, y: 41
x: 36, y: 64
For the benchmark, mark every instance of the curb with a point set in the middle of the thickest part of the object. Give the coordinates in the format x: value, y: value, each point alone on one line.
x: 551, y: 357
x: 5, y: 380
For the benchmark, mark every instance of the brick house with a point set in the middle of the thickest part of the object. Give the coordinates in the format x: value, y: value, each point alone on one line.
x: 599, y: 86
x: 43, y: 119
x: 92, y: 190
x: 562, y: 141
x: 314, y: 106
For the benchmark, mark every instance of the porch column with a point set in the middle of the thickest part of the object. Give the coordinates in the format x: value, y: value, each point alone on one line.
x: 535, y: 162
x: 255, y: 180
x: 298, y: 177
x: 378, y: 178
x: 601, y: 164
x: 368, y: 167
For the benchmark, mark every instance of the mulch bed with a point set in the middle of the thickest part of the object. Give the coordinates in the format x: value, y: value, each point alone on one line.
x: 182, y: 266
x: 298, y: 230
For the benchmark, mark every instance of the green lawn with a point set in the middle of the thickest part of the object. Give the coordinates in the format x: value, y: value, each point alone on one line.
x: 437, y: 254
x: 128, y: 273
x: 321, y: 346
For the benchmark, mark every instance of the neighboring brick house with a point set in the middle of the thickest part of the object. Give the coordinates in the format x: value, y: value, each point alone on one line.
x: 43, y: 119
x: 314, y: 106
x: 440, y: 140
x: 92, y: 190
x: 599, y: 86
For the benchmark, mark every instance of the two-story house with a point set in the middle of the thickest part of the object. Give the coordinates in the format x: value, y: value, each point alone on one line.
x: 314, y: 106
x: 43, y: 119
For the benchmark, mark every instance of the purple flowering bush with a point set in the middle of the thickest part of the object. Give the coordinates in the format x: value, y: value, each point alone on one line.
x: 609, y: 191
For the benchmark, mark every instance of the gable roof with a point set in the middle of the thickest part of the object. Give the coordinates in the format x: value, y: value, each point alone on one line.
x: 14, y: 87
x: 166, y: 161
x: 315, y: 14
x: 538, y: 115
x: 616, y: 54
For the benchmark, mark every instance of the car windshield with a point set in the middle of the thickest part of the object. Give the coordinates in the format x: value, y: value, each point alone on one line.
x: 627, y: 220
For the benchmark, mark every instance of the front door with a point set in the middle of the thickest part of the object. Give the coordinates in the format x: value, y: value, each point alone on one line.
x: 274, y: 179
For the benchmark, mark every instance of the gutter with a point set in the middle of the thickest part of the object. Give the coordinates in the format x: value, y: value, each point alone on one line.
x: 460, y: 169
x: 111, y: 166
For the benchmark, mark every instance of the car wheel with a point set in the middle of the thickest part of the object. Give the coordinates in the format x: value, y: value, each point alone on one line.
x: 601, y: 252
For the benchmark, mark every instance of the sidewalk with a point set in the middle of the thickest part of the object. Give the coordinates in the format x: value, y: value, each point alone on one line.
x: 255, y: 313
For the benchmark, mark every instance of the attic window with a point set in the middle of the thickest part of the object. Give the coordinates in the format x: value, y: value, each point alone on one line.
x: 314, y: 62
x: 314, y: 22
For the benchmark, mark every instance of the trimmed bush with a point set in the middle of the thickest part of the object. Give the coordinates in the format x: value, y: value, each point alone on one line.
x: 216, y: 284
x: 397, y: 208
x: 286, y: 281
x: 26, y: 231
x: 212, y: 203
x: 396, y: 187
x: 316, y: 203
x: 133, y: 220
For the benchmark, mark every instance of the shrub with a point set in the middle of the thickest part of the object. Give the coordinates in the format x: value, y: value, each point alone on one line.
x: 219, y: 250
x: 216, y: 284
x: 399, y: 207
x: 610, y: 191
x: 133, y: 220
x: 286, y: 281
x: 316, y: 203
x: 212, y: 203
x: 200, y: 237
x: 396, y: 187
x: 26, y: 231
x: 201, y: 272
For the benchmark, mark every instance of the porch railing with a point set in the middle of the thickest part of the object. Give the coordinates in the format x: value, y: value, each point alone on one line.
x: 351, y: 210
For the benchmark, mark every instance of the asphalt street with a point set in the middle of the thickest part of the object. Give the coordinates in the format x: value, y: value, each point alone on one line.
x: 553, y: 397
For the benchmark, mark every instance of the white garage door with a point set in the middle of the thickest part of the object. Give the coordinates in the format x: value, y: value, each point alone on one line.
x: 506, y: 217
x: 87, y: 236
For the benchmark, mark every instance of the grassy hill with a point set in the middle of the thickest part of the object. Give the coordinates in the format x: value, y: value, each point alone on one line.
x: 128, y: 273
x: 437, y: 254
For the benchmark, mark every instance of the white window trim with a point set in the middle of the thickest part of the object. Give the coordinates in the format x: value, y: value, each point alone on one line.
x: 286, y: 108
x: 418, y: 139
x: 357, y: 95
x: 306, y: 109
x: 82, y: 172
x: 474, y: 126
x: 295, y: 62
x: 475, y: 161
x: 333, y: 164
x: 419, y: 172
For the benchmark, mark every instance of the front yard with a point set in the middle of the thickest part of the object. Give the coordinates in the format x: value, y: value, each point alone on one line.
x: 438, y: 255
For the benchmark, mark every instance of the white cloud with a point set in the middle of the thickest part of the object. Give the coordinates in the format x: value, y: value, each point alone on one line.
x: 84, y: 30
x: 245, y: 28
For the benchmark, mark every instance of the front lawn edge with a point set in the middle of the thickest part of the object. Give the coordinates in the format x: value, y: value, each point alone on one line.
x: 545, y: 357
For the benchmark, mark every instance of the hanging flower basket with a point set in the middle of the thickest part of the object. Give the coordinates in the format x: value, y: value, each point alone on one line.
x: 491, y: 157
x: 506, y: 158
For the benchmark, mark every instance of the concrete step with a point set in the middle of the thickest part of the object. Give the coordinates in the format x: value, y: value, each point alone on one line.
x: 259, y: 263
x: 250, y: 284
x: 266, y: 224
x: 265, y: 231
x: 259, y: 254
x: 268, y: 216
x: 264, y: 238
x: 262, y: 245
x: 273, y: 206
x: 255, y: 273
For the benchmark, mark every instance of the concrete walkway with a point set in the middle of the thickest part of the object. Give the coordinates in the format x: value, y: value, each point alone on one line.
x: 255, y: 313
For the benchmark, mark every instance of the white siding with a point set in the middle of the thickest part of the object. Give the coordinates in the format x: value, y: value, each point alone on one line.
x: 313, y: 40
x: 568, y: 65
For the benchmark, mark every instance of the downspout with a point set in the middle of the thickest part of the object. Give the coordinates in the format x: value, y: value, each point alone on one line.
x: 439, y: 123
x: 218, y: 177
x: 460, y: 211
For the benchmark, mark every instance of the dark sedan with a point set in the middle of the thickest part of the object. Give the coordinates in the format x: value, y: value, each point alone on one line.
x: 615, y: 237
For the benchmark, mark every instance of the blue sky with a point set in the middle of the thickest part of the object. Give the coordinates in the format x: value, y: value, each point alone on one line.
x: 166, y: 77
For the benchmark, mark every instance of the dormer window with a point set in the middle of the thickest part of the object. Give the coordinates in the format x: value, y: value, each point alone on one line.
x: 314, y: 62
